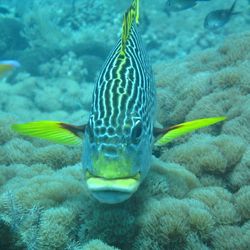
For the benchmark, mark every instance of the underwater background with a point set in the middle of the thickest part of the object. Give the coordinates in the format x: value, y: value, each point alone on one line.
x: 199, y: 199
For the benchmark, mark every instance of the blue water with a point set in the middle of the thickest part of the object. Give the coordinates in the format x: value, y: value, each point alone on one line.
x: 197, y: 197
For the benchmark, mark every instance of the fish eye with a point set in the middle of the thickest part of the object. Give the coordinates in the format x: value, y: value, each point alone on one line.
x: 136, y: 132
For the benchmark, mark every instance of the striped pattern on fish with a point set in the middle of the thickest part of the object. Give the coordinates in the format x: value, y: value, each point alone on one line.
x: 125, y: 89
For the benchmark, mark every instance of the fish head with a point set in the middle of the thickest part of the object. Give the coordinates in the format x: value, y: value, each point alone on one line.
x: 115, y: 159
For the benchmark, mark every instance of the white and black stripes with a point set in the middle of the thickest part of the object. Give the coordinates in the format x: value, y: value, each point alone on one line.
x: 125, y: 89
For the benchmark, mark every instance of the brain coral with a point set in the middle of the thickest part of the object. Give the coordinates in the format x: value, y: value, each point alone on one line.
x: 169, y: 222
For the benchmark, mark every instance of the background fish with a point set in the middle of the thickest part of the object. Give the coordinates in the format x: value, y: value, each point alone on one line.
x: 218, y: 18
x: 179, y: 5
x: 8, y: 65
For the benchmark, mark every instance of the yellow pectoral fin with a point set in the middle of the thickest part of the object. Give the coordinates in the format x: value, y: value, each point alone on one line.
x: 186, y: 127
x: 53, y: 131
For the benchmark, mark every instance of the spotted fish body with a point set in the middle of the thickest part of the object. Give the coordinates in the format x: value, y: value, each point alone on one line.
x: 118, y: 137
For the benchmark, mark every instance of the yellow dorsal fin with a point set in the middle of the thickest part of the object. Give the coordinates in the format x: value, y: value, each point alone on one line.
x: 131, y: 15
x: 53, y: 131
x: 186, y: 127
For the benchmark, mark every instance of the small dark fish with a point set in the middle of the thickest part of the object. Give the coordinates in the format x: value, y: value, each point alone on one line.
x: 218, y: 18
x: 4, y: 10
x: 179, y: 5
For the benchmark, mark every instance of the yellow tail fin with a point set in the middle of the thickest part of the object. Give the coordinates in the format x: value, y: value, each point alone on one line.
x: 131, y: 15
x: 186, y: 127
x: 53, y: 131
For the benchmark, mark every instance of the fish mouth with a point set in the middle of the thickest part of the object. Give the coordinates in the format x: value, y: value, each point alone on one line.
x: 112, y: 191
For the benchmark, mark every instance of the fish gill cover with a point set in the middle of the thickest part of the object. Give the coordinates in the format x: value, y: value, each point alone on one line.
x: 196, y: 197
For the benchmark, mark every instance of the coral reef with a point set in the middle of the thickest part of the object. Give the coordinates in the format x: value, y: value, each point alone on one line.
x: 10, y: 32
x: 169, y: 222
x: 197, y: 194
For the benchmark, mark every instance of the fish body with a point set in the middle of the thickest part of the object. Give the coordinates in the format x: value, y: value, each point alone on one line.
x: 119, y: 134
x: 218, y: 18
x: 179, y: 5
x: 8, y: 65
x: 118, y: 137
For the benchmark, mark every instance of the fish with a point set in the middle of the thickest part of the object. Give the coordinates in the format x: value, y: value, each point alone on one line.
x: 218, y: 18
x: 119, y: 136
x: 179, y: 5
x: 4, y: 10
x: 8, y: 65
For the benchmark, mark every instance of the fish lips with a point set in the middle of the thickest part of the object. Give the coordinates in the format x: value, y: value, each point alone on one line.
x: 112, y: 191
